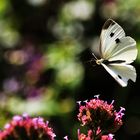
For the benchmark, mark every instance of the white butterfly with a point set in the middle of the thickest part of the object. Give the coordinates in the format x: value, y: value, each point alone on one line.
x: 116, y: 52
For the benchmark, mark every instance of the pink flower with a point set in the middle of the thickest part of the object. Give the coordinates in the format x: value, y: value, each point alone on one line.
x: 100, y: 116
x: 90, y: 136
x: 82, y: 136
x: 107, y: 137
x: 25, y: 127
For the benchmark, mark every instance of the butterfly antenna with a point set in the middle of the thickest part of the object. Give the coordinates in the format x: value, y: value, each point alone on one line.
x: 92, y: 60
x: 89, y: 61
x: 94, y: 56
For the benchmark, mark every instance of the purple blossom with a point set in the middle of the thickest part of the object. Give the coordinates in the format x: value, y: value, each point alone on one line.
x: 28, y: 128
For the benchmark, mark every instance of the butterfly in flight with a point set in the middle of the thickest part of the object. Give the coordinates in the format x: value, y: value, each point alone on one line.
x: 117, y: 51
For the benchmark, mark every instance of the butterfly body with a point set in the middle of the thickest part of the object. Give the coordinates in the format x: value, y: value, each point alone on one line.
x: 100, y: 61
x: 117, y: 51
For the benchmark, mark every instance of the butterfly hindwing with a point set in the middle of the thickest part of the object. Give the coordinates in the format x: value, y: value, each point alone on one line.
x: 121, y: 73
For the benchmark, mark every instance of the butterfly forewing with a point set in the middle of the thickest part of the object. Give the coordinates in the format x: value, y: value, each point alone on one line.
x: 126, y: 50
x: 110, y: 37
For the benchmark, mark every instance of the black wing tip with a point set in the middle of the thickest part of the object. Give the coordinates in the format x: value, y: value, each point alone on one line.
x: 108, y: 23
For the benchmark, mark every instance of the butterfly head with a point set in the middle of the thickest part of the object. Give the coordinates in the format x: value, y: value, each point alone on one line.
x: 99, y: 61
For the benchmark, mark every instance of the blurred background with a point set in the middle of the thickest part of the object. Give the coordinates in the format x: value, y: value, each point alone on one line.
x: 44, y: 49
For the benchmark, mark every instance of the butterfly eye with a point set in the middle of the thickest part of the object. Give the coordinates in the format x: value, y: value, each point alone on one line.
x: 117, y: 40
x: 112, y: 34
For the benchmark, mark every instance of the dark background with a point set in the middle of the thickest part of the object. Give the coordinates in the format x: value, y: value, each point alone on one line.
x: 44, y: 54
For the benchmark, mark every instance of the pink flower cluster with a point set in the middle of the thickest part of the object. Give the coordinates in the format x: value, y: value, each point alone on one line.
x: 90, y: 136
x: 28, y: 128
x: 100, y: 118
